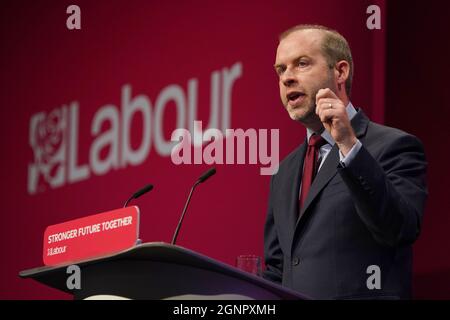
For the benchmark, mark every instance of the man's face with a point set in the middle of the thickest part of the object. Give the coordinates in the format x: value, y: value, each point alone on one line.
x: 302, y: 71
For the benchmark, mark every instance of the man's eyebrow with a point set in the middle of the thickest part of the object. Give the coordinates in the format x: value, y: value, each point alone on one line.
x: 295, y: 60
x: 279, y: 65
x: 301, y: 57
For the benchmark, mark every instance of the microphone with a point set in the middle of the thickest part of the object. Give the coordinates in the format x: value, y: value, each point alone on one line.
x: 202, y: 179
x: 206, y: 175
x: 139, y: 193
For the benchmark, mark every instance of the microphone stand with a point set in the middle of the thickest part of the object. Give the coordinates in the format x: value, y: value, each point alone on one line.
x: 174, y: 239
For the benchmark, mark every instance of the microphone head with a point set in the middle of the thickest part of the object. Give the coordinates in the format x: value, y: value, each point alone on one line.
x: 206, y: 175
x: 144, y: 190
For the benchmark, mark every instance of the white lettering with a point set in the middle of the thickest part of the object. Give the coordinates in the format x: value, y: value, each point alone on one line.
x: 110, y: 139
x: 374, y: 20
x: 169, y: 93
x: 213, y: 152
x: 374, y: 281
x: 229, y: 76
x: 74, y: 280
x: 54, y: 136
x: 76, y: 173
x: 129, y: 108
x: 74, y: 20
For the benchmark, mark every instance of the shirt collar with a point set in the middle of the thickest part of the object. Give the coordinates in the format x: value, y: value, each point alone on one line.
x: 351, y: 112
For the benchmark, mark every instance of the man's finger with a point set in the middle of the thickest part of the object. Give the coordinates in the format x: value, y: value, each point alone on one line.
x: 325, y: 93
x: 325, y: 103
x: 326, y: 115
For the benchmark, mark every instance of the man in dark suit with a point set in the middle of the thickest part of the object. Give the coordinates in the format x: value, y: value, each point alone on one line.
x: 346, y: 206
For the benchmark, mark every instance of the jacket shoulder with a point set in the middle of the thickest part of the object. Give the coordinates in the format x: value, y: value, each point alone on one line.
x: 387, y: 144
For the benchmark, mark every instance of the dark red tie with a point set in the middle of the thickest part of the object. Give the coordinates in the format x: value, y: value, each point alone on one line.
x: 310, y: 165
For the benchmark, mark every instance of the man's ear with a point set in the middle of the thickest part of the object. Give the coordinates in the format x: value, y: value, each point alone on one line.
x: 341, y: 71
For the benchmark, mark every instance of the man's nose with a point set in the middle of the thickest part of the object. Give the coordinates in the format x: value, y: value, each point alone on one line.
x: 288, y: 79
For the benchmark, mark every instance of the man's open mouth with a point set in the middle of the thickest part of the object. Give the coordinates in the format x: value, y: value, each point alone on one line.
x: 295, y: 96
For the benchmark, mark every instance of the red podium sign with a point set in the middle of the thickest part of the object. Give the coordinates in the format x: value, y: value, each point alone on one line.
x: 92, y: 236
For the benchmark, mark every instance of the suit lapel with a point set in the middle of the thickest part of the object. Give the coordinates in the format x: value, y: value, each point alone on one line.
x: 293, y: 187
x: 328, y: 171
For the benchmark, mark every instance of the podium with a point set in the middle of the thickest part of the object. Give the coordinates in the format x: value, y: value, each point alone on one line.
x: 159, y: 270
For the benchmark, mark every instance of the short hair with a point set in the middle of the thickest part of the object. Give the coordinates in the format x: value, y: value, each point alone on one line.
x: 334, y: 47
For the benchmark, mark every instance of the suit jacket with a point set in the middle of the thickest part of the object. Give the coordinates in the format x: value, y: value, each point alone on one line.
x: 366, y: 214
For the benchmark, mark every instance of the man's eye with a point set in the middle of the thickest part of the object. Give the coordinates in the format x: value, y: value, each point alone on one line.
x: 302, y: 63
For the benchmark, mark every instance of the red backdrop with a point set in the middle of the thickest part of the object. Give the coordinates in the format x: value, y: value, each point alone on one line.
x: 417, y: 102
x: 152, y: 47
